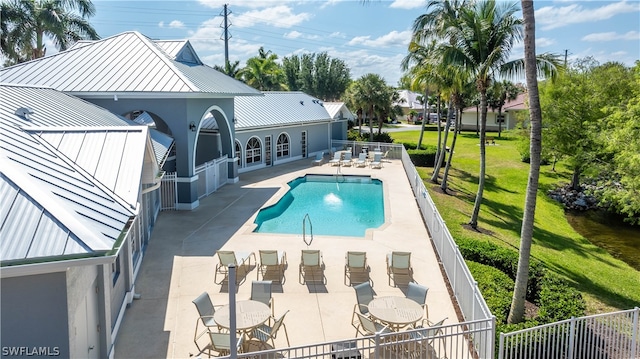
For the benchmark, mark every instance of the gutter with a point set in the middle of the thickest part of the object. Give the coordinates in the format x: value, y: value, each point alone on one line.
x: 49, y: 267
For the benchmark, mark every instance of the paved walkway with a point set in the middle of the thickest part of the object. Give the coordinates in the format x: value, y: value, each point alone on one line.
x: 180, y: 261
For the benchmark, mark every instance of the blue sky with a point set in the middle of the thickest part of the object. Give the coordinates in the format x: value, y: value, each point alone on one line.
x: 371, y: 37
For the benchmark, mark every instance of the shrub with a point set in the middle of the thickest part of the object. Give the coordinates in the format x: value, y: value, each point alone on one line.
x: 496, y: 288
x: 382, y: 137
x: 422, y: 158
x: 558, y: 301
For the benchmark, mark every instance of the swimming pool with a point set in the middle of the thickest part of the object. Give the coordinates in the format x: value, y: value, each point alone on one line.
x: 337, y: 205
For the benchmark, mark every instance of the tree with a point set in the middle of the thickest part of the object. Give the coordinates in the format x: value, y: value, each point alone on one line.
x: 370, y: 92
x: 231, y: 69
x: 263, y: 72
x: 516, y: 312
x: 26, y: 23
x: 498, y: 94
x: 317, y: 75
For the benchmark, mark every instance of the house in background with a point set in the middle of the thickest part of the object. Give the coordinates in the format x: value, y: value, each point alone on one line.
x: 80, y: 197
x: 129, y: 75
x: 280, y: 127
x: 512, y: 112
x: 409, y: 101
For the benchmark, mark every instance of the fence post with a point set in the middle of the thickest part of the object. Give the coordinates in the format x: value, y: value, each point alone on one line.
x: 377, y: 349
x: 572, y: 330
x: 634, y: 337
x: 501, y: 348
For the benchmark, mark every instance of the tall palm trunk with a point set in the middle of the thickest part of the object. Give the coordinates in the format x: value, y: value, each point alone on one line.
x: 473, y: 222
x: 443, y: 150
x: 516, y: 312
x: 426, y: 109
x: 445, y: 176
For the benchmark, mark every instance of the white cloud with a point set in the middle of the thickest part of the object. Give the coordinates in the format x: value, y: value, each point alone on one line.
x: 394, y: 38
x: 610, y: 36
x: 161, y: 24
x: 298, y: 35
x: 337, y: 34
x: 544, y: 42
x: 254, y: 4
x: 277, y: 16
x: 408, y: 4
x: 176, y: 24
x: 551, y: 17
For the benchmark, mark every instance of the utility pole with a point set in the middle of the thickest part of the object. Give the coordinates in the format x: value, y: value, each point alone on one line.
x: 225, y: 13
x: 565, y: 57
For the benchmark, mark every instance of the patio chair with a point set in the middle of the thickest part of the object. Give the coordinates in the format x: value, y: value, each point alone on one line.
x: 377, y: 161
x: 269, y: 331
x: 365, y: 326
x: 335, y: 161
x: 346, y: 161
x: 319, y: 160
x: 311, y: 265
x: 230, y: 257
x: 206, y: 310
x: 261, y: 292
x: 362, y: 160
x: 356, y: 269
x: 364, y: 295
x: 418, y: 293
x: 398, y: 266
x: 220, y: 342
x: 422, y: 341
x: 272, y: 265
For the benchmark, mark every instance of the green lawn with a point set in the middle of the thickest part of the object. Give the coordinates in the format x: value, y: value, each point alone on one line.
x: 605, y: 282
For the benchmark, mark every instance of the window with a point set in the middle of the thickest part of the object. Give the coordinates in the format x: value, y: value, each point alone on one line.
x: 282, y: 146
x: 239, y: 154
x: 254, y: 151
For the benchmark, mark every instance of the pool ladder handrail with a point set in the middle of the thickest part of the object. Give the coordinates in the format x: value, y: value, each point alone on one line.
x: 304, y: 229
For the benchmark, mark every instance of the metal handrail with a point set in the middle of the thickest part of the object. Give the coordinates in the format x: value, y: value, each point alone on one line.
x: 304, y: 229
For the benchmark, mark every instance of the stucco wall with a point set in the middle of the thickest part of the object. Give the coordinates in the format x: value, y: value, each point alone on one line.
x: 80, y: 280
x: 34, y: 315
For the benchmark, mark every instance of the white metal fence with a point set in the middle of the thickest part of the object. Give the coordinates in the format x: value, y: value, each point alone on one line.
x: 211, y: 176
x: 603, y: 336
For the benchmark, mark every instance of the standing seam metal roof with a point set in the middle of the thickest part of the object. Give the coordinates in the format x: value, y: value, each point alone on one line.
x: 127, y: 62
x: 51, y: 205
x: 278, y: 108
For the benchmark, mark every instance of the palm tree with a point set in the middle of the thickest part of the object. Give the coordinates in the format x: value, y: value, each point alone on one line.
x: 370, y: 92
x: 263, y: 72
x: 26, y: 23
x: 501, y: 92
x: 231, y: 69
x: 481, y: 44
x: 516, y: 312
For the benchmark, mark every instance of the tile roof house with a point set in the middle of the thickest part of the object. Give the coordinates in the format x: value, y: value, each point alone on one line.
x: 78, y: 185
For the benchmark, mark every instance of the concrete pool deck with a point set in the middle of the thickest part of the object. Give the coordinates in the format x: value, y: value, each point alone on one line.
x: 180, y: 262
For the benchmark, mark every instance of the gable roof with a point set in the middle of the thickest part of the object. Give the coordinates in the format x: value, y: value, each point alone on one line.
x: 278, y: 108
x: 335, y: 109
x: 409, y: 99
x: 70, y: 176
x: 127, y: 63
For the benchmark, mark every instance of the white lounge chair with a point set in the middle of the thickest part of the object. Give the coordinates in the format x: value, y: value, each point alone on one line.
x: 399, y: 267
x: 362, y: 160
x: 356, y: 269
x: 377, y: 160
x: 319, y: 160
x: 272, y: 265
x: 346, y: 161
x: 335, y: 161
x: 311, y: 267
x: 230, y: 257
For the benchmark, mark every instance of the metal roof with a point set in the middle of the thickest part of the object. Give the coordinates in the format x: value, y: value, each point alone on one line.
x: 278, y: 109
x: 60, y: 194
x: 161, y: 145
x: 336, y: 108
x: 127, y: 63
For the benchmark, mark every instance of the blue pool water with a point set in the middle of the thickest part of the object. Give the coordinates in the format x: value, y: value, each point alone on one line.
x: 337, y: 206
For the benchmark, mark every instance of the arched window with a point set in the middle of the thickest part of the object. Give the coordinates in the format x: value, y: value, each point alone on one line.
x: 254, y: 151
x: 239, y: 153
x: 282, y: 149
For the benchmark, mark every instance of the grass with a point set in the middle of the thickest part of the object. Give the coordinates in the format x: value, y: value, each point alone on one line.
x: 606, y: 283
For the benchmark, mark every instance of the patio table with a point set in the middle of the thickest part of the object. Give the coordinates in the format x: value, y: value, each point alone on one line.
x: 396, y: 311
x: 249, y: 315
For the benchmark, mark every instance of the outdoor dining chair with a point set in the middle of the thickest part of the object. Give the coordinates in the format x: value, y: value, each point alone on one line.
x: 206, y: 310
x: 365, y: 326
x: 399, y: 266
x: 261, y: 292
x: 356, y: 269
x: 364, y: 295
x: 311, y: 267
x: 423, y: 341
x: 418, y: 293
x: 230, y: 257
x: 269, y: 332
x: 221, y: 343
x: 272, y: 265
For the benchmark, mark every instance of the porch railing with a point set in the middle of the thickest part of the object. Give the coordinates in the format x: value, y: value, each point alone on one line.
x: 211, y: 176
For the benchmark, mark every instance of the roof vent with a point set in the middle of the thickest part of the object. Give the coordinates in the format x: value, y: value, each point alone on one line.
x: 24, y: 112
x: 302, y: 103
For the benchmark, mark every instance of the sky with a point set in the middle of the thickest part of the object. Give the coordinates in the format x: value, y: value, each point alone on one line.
x: 370, y: 37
